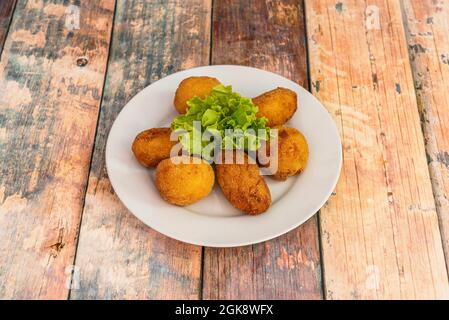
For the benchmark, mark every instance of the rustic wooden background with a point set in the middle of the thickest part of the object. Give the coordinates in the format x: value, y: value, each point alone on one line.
x: 381, y: 68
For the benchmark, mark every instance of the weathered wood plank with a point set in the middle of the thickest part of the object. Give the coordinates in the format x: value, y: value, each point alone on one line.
x: 151, y: 39
x: 6, y: 11
x: 380, y: 234
x: 269, y: 35
x: 427, y: 30
x: 49, y: 102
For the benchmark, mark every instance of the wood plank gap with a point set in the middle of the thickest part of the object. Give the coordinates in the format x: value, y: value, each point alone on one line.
x: 73, y: 274
x: 211, y: 35
x: 318, y: 220
x: 7, y: 8
x: 211, y: 39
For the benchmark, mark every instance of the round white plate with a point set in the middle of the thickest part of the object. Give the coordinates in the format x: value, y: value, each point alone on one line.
x: 213, y: 221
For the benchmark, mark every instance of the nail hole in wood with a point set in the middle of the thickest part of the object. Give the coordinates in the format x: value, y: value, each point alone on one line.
x: 82, y: 61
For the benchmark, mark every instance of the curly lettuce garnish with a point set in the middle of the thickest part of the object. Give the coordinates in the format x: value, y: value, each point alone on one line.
x: 220, y: 112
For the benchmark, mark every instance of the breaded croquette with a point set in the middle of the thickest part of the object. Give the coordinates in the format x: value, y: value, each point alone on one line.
x: 182, y: 182
x: 293, y: 153
x: 152, y: 146
x: 244, y: 187
x: 278, y: 106
x: 191, y: 87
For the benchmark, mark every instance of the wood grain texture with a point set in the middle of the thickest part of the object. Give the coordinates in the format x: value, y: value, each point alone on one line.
x: 427, y: 30
x: 380, y: 233
x: 118, y: 256
x: 269, y: 35
x: 48, y: 115
x: 6, y: 10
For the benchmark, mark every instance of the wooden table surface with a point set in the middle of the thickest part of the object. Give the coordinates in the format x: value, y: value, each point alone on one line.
x: 380, y: 67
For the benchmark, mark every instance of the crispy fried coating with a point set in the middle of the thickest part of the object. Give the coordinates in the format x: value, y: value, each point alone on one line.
x: 244, y: 187
x: 277, y: 105
x: 152, y: 146
x: 191, y: 87
x: 293, y: 153
x: 184, y: 183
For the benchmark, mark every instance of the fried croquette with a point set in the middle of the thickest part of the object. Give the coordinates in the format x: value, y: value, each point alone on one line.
x: 277, y: 105
x: 182, y: 182
x: 152, y: 146
x: 293, y: 153
x: 244, y: 187
x: 191, y: 87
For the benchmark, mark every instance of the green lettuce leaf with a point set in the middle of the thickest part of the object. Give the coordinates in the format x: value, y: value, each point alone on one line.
x: 222, y: 110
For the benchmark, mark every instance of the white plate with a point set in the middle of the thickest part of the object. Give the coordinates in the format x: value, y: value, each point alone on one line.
x: 213, y: 221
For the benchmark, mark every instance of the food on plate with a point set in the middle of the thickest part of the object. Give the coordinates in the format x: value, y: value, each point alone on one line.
x: 277, y: 105
x: 244, y: 187
x: 222, y: 110
x: 211, y: 114
x: 292, y: 155
x: 152, y: 146
x: 181, y: 181
x: 193, y: 87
